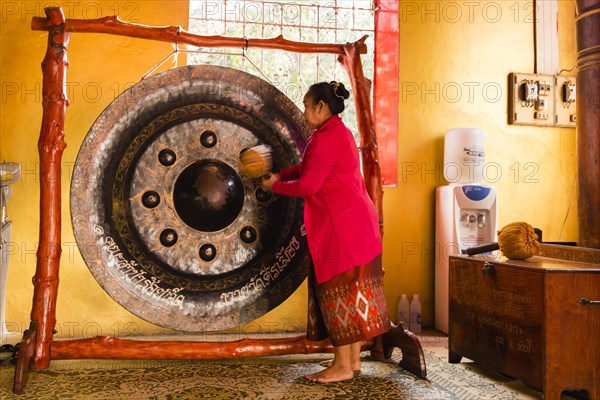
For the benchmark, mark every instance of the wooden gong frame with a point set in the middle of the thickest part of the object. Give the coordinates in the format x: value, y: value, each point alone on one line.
x: 37, y: 346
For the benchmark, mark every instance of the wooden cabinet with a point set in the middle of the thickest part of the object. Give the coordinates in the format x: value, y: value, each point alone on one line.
x: 537, y: 320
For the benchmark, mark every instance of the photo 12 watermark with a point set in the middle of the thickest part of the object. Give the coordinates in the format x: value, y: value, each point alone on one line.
x: 450, y: 92
x: 452, y: 172
x: 85, y: 329
x: 24, y: 11
x: 81, y: 329
x: 455, y: 12
x: 323, y: 13
x: 75, y: 92
x: 434, y: 252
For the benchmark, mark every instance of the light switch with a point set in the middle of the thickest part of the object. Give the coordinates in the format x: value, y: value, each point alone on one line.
x: 531, y: 99
x: 566, y: 101
x: 542, y: 100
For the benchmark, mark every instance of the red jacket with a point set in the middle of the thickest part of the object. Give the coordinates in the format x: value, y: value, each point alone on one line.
x: 341, y: 222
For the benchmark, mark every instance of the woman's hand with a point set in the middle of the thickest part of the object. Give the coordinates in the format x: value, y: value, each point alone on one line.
x: 267, y: 182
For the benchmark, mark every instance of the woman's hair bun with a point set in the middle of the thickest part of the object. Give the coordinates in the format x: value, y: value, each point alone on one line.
x: 339, y: 90
x: 332, y: 93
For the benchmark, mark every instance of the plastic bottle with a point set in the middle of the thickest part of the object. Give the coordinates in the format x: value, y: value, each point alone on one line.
x: 415, y: 315
x: 464, y: 155
x: 403, y: 311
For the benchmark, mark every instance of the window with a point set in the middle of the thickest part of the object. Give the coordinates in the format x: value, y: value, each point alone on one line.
x: 335, y: 21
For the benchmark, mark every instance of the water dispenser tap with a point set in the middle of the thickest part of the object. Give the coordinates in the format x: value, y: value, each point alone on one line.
x: 481, y: 220
x: 467, y: 219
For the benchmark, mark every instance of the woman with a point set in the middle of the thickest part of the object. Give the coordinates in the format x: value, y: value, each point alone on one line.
x: 343, y: 236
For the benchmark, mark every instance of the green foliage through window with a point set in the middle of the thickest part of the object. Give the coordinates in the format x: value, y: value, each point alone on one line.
x: 335, y: 21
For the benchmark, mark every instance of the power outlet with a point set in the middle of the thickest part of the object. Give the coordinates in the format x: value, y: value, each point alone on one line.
x: 542, y: 100
x: 565, y: 102
x: 531, y: 99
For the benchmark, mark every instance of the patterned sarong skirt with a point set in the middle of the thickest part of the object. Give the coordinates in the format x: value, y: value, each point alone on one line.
x: 348, y: 308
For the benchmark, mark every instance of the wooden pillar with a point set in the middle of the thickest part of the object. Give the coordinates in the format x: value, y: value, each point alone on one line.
x: 588, y: 121
x: 50, y: 146
x: 361, y: 87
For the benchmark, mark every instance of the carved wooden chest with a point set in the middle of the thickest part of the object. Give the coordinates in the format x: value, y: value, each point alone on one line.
x: 537, y: 320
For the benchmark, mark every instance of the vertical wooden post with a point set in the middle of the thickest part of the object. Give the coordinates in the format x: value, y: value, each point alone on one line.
x: 366, y: 127
x: 588, y: 121
x: 50, y: 147
x: 413, y: 358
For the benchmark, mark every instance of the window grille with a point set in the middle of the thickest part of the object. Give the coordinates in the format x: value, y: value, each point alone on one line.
x: 335, y: 21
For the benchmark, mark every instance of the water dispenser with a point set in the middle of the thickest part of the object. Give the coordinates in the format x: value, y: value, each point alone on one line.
x: 465, y: 209
x: 9, y: 174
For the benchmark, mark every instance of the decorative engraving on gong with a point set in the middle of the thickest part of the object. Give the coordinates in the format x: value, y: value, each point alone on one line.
x: 163, y: 217
x: 191, y: 166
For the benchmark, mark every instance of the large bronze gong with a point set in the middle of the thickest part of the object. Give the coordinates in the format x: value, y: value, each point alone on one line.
x: 165, y: 220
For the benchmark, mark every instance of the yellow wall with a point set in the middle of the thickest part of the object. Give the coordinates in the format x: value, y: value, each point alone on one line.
x: 472, y: 47
x: 438, y: 53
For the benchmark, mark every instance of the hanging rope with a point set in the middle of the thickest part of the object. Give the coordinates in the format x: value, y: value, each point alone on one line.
x: 164, y: 60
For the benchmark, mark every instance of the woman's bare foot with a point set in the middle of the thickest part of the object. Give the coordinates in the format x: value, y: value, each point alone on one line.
x: 331, y: 374
x: 346, y: 361
x: 329, y: 363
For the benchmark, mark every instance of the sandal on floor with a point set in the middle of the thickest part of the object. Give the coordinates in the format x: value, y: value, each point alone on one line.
x: 8, y: 354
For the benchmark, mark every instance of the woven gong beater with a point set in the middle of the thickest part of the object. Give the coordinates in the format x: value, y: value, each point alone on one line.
x: 163, y: 215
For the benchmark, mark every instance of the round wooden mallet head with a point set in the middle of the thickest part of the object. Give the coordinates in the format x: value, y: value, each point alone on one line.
x: 256, y: 161
x: 517, y: 241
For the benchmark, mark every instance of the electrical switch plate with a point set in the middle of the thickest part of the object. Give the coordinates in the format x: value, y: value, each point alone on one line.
x: 531, y: 99
x: 565, y: 104
x: 542, y: 100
